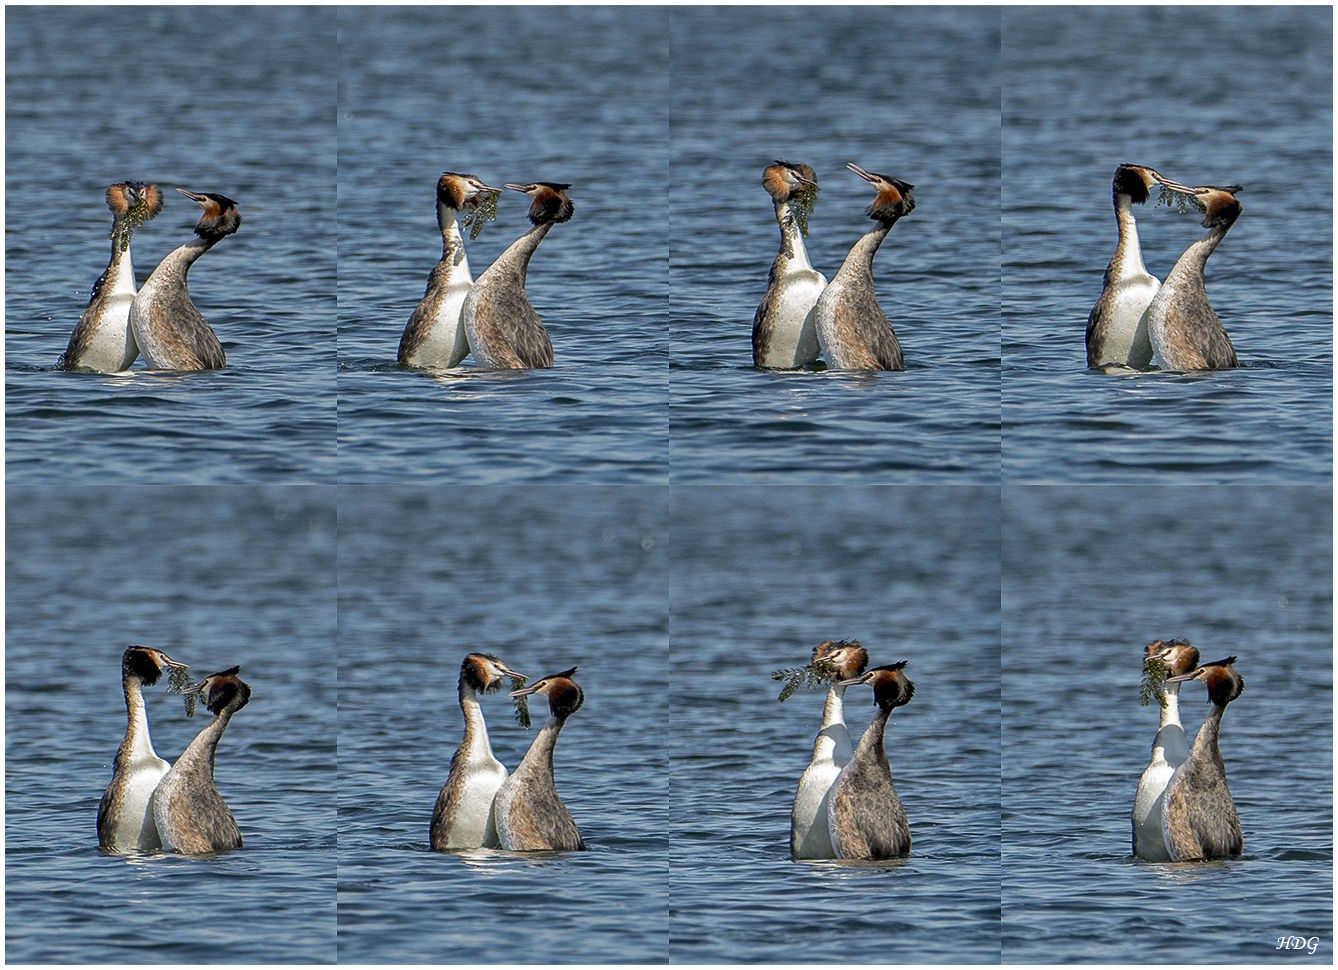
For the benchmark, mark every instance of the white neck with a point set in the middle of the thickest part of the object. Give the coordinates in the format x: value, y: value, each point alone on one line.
x: 141, y: 747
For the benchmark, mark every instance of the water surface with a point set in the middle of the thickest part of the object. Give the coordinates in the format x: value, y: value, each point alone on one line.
x: 819, y: 86
x: 236, y: 101
x: 492, y: 92
x: 216, y: 577
x: 1079, y: 99
x: 1091, y: 575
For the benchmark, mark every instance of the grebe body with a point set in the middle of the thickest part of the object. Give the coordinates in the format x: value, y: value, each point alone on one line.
x: 530, y: 815
x: 191, y: 815
x: 864, y: 813
x: 832, y: 750
x: 1199, y: 820
x: 172, y: 334
x: 1186, y: 332
x: 463, y: 815
x: 503, y: 330
x: 1117, y: 327
x: 125, y: 814
x: 853, y: 330
x: 1170, y: 748
x: 435, y: 334
x: 103, y: 340
x: 785, y: 327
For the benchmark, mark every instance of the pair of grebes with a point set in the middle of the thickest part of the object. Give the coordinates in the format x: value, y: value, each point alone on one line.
x: 153, y: 805
x: 481, y: 805
x: 158, y: 319
x: 1139, y: 322
x: 1183, y: 811
x: 490, y: 317
x: 846, y: 806
x: 802, y: 316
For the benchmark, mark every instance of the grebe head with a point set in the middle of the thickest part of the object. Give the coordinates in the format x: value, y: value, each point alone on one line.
x: 891, y: 688
x: 1178, y: 656
x: 146, y: 663
x: 134, y: 199
x: 565, y: 696
x: 220, y: 217
x: 222, y: 689
x: 849, y: 658
x: 460, y: 191
x: 550, y: 201
x: 1217, y: 202
x: 132, y: 204
x: 484, y: 672
x: 894, y: 196
x: 783, y: 179
x: 1224, y: 684
x: 1133, y: 181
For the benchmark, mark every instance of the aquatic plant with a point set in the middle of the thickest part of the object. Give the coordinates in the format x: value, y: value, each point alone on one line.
x: 815, y: 674
x: 484, y: 211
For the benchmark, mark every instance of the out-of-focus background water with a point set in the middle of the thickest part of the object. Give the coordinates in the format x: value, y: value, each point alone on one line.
x: 233, y: 100
x: 911, y: 92
x: 1091, y: 575
x: 580, y: 95
x: 1205, y: 95
x: 216, y: 577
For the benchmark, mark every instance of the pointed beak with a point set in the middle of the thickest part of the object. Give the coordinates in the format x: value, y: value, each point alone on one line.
x: 861, y: 173
x: 1175, y: 186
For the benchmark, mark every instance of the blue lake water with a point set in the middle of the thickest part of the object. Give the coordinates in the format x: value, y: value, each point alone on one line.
x: 546, y: 578
x: 760, y: 577
x: 818, y: 86
x: 996, y: 515
x: 1091, y: 575
x: 235, y: 101
x: 216, y: 577
x: 1082, y: 96
x: 490, y: 91
x: 675, y: 604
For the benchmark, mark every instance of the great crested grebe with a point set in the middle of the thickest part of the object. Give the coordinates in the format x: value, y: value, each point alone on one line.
x: 785, y: 327
x: 435, y: 335
x: 1186, y: 333
x: 125, y: 814
x: 863, y: 812
x: 190, y: 813
x: 1199, y: 820
x: 832, y: 750
x: 503, y: 330
x: 1170, y: 748
x: 463, y: 816
x: 852, y: 328
x: 1117, y: 327
x: 530, y: 815
x: 103, y: 340
x: 171, y: 333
